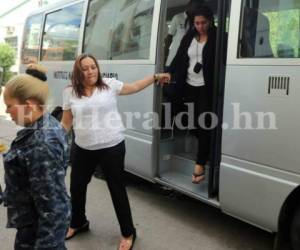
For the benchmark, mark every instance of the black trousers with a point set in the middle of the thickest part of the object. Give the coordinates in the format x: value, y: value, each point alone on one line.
x: 200, y: 99
x: 26, y: 239
x: 111, y: 160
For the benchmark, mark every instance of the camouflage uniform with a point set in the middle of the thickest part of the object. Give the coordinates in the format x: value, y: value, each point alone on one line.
x: 35, y: 193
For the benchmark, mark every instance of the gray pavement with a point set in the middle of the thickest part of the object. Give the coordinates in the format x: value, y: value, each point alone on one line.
x: 164, y: 220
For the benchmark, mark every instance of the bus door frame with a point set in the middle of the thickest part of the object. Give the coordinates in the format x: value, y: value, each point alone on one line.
x: 218, y: 96
x: 218, y: 93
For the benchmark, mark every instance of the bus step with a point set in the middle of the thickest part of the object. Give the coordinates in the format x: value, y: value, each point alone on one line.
x: 183, y: 184
x: 184, y: 163
x: 179, y: 174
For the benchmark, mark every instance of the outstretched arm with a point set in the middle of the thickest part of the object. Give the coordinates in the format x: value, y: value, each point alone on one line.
x: 134, y: 87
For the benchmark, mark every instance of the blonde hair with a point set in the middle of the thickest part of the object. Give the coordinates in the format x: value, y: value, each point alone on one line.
x: 31, y: 85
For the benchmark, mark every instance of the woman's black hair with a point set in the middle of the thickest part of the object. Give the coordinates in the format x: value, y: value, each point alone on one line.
x: 38, y: 74
x: 198, y: 9
x: 193, y: 5
x: 203, y: 11
x: 189, y: 10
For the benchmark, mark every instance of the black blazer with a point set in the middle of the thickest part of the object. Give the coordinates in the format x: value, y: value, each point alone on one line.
x: 180, y: 64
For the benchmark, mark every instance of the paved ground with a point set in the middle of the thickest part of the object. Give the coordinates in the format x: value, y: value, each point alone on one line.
x: 164, y: 220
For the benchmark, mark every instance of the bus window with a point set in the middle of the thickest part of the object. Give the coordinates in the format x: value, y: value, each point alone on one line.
x: 30, y: 46
x: 177, y: 26
x: 98, y: 28
x: 132, y: 30
x: 128, y: 29
x: 61, y: 34
x: 270, y: 29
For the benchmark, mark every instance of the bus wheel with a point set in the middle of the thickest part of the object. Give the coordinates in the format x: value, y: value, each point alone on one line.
x: 295, y: 230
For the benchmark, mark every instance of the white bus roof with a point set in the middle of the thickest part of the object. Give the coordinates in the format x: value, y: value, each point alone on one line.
x: 53, y: 6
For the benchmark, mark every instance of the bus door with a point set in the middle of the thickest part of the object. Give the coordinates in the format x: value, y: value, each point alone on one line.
x: 52, y: 38
x: 60, y: 46
x: 122, y: 35
x: 178, y: 146
x: 260, y: 149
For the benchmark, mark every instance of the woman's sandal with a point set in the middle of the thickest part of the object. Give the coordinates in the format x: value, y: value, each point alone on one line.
x: 84, y: 228
x: 197, y: 175
x: 133, y: 238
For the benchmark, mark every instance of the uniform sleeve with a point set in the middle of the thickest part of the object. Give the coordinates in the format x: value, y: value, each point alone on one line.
x: 47, y: 186
x: 115, y: 84
x: 66, y: 98
x: 173, y: 26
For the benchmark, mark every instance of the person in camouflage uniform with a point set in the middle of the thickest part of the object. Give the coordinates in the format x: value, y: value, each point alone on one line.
x: 35, y: 166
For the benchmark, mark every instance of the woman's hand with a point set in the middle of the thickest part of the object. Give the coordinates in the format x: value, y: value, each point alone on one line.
x: 163, y: 78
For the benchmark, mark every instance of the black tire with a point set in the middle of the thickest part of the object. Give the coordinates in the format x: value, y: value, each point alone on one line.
x: 295, y: 230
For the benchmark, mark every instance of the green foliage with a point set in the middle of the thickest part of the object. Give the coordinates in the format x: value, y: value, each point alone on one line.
x: 7, y: 59
x: 284, y: 29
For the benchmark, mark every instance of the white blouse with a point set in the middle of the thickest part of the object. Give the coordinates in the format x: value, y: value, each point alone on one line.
x: 97, y: 123
x: 195, y: 79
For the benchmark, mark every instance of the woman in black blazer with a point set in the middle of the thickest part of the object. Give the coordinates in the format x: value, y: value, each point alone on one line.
x: 192, y: 69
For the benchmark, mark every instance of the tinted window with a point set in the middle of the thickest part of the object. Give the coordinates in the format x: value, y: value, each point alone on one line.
x: 99, y: 27
x: 30, y: 46
x: 175, y: 28
x: 127, y: 31
x: 61, y: 34
x: 270, y: 29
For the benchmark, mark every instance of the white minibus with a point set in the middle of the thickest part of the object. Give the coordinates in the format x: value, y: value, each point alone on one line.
x: 254, y: 168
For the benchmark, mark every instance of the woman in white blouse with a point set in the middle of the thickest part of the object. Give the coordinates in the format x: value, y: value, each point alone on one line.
x: 90, y: 106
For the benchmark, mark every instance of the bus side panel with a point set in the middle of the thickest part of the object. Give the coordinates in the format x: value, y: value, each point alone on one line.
x: 137, y: 114
x: 262, y: 120
x: 139, y: 160
x: 136, y: 109
x: 254, y: 193
x: 260, y: 164
x: 58, y: 75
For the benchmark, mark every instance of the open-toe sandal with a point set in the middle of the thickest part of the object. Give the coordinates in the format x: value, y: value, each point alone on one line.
x: 195, y: 175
